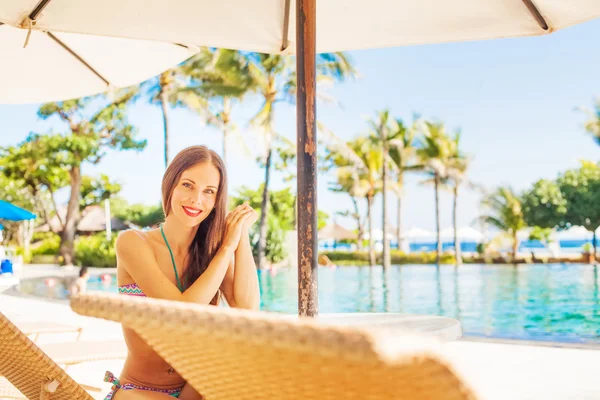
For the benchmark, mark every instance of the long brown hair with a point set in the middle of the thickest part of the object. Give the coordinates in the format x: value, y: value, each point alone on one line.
x: 210, y: 233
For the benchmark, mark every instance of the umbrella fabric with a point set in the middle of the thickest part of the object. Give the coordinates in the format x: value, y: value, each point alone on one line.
x: 341, y: 24
x: 61, y: 66
x: 11, y: 212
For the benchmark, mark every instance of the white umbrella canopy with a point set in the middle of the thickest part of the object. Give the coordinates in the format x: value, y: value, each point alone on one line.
x: 341, y: 24
x: 269, y: 26
x: 418, y: 233
x: 60, y: 66
x: 573, y: 233
x: 464, y: 233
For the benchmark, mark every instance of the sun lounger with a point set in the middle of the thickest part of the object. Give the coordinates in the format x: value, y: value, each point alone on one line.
x: 26, y: 370
x: 35, y: 329
x: 239, y: 354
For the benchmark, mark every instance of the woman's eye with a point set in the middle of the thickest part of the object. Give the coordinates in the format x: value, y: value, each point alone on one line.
x: 210, y: 191
x: 187, y: 185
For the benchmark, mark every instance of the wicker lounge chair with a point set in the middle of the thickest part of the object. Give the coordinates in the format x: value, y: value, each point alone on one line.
x: 239, y: 354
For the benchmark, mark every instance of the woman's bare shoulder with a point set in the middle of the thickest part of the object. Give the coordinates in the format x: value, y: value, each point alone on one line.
x: 134, y: 237
x: 133, y: 247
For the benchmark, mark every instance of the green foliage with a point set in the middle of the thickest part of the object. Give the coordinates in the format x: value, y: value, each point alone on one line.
x: 141, y: 215
x: 281, y: 204
x: 16, y: 192
x: 91, y: 251
x: 46, y: 163
x: 280, y: 218
x: 580, y: 189
x: 435, y: 148
x: 47, y: 246
x: 592, y: 125
x: 215, y: 73
x: 570, y: 200
x: 506, y: 211
x: 275, y: 250
x: 96, y: 251
x: 481, y: 248
x: 397, y: 257
x: 30, y: 164
x: 322, y: 218
x: 541, y: 234
x: 544, y: 205
x: 96, y: 190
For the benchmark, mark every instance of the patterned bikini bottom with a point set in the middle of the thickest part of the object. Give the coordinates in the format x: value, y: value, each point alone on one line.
x: 109, y: 377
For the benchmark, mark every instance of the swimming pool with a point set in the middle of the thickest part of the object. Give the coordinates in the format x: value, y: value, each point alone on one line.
x: 546, y: 302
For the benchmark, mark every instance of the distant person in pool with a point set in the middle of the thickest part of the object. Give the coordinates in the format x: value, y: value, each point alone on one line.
x: 199, y: 254
x: 79, y: 285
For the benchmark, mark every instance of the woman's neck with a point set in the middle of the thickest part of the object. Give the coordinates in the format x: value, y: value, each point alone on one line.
x: 180, y: 237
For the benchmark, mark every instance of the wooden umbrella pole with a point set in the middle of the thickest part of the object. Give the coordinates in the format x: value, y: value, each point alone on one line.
x: 306, y: 21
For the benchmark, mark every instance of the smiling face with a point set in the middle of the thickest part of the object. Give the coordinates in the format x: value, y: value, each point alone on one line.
x: 194, y: 196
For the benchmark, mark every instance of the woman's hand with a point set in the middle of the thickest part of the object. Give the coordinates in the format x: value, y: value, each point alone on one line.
x: 234, y: 225
x: 251, y: 219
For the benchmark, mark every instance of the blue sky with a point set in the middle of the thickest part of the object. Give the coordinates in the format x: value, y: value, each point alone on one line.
x: 513, y: 99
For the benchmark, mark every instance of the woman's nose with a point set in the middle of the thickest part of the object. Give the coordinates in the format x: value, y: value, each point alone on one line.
x: 198, y: 199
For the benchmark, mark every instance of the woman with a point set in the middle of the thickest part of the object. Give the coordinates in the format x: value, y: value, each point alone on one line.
x: 198, y: 254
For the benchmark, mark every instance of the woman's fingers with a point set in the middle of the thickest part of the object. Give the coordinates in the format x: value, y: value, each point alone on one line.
x: 240, y: 216
x: 234, y: 216
x: 233, y: 212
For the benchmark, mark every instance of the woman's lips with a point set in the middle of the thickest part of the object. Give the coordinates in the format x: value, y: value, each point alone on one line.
x: 192, y: 212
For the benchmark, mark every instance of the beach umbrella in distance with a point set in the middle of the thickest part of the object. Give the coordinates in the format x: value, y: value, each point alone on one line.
x: 336, y: 232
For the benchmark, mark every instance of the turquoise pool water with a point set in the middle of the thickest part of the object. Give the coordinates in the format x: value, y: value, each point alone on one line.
x: 550, y: 302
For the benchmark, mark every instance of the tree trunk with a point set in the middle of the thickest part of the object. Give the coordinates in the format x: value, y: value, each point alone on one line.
x: 225, y: 144
x: 164, y: 105
x: 45, y: 213
x: 226, y: 108
x: 399, y: 222
x: 67, y: 235
x: 370, y: 221
x: 457, y: 251
x: 261, y: 262
x: 438, y: 249
x: 515, y: 247
x: 27, y: 236
x: 386, y: 244
x: 358, y: 224
x: 399, y: 211
x: 594, y: 244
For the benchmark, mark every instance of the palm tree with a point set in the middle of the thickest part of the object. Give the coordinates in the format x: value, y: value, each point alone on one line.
x: 275, y: 79
x: 506, y: 214
x: 457, y: 171
x: 592, y: 125
x: 347, y: 181
x: 218, y: 78
x: 163, y: 91
x: 383, y: 136
x: 435, y: 153
x: 402, y: 151
x: 362, y: 159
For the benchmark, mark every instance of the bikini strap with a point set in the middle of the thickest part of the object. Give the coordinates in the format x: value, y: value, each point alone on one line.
x: 172, y: 259
x: 110, y: 378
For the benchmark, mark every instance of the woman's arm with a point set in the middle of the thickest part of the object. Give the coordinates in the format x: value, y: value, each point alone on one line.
x: 246, y: 292
x: 240, y: 286
x: 136, y: 256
